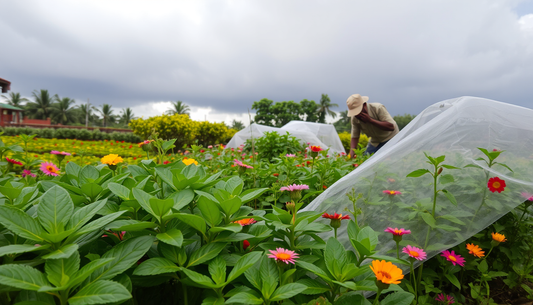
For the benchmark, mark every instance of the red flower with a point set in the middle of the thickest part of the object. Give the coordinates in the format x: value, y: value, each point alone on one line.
x: 325, y: 187
x: 166, y: 162
x: 316, y: 148
x: 111, y: 143
x: 275, y: 174
x: 245, y: 244
x: 202, y: 151
x: 355, y: 165
x: 335, y: 216
x: 308, y: 162
x: 496, y: 184
x: 130, y: 146
x: 13, y: 161
x: 81, y: 143
x: 134, y: 158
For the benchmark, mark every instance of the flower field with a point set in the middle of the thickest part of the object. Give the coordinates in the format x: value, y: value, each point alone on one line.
x: 98, y: 222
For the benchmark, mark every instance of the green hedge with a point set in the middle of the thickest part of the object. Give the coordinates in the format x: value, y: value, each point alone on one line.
x: 69, y: 133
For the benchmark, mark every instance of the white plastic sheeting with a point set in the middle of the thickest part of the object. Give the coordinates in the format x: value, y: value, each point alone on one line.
x: 454, y: 128
x: 323, y: 135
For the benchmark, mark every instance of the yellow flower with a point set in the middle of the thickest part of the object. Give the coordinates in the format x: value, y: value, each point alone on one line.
x: 112, y: 159
x: 189, y: 161
x: 386, y: 272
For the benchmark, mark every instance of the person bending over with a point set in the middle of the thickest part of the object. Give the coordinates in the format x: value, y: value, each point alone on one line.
x: 372, y: 119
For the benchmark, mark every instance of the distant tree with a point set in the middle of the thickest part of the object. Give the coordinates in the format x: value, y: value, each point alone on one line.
x: 41, y: 108
x: 263, y: 115
x: 14, y: 99
x: 107, y: 114
x: 179, y: 107
x: 237, y: 125
x: 126, y: 116
x: 82, y: 114
x: 403, y: 120
x: 324, y: 108
x: 62, y: 112
x: 344, y: 122
x: 309, y: 111
x: 286, y: 111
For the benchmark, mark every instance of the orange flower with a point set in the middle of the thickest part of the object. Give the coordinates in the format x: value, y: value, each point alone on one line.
x: 475, y: 250
x: 498, y: 237
x: 316, y: 148
x: 245, y: 221
x: 386, y: 272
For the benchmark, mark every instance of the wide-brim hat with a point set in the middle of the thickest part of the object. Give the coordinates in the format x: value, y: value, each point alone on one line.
x: 355, y: 104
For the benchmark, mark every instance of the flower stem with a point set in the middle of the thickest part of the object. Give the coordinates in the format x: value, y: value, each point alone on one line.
x: 397, y: 249
x: 413, y: 281
x: 376, y: 300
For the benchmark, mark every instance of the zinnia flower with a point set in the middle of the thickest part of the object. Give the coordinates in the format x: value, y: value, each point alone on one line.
x: 500, y: 238
x: 28, y: 172
x: 283, y: 255
x: 112, y: 159
x: 397, y: 232
x: 245, y: 221
x: 145, y: 142
x: 13, y: 161
x: 415, y: 252
x: 210, y: 146
x: 496, y: 184
x: 386, y: 272
x: 445, y: 299
x: 316, y: 148
x: 189, y: 161
x: 290, y: 155
x: 275, y: 174
x: 166, y: 162
x: 49, y: 169
x: 475, y: 250
x: 295, y: 187
x: 392, y: 192
x: 239, y: 163
x: 245, y: 244
x: 63, y: 153
x: 455, y: 259
x: 335, y: 216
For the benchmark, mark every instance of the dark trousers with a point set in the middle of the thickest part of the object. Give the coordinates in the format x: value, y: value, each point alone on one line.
x: 370, y: 149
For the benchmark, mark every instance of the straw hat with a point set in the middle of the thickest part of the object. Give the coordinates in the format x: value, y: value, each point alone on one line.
x: 355, y: 104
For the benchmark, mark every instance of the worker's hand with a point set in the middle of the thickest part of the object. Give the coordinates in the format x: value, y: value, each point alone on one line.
x: 364, y: 117
x: 352, y: 153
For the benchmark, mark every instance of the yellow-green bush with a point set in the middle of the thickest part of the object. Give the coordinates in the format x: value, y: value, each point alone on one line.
x: 182, y: 128
x: 346, y: 138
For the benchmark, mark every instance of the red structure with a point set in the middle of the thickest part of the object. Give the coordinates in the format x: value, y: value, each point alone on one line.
x: 5, y: 85
x: 10, y: 115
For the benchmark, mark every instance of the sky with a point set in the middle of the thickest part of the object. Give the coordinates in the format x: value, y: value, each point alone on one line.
x: 221, y: 56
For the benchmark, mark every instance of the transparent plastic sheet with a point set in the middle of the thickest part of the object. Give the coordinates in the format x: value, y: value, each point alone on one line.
x: 454, y: 128
x: 323, y: 135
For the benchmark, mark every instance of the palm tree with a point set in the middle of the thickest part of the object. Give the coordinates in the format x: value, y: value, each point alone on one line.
x: 14, y: 99
x: 82, y: 113
x: 237, y: 125
x: 41, y: 108
x: 62, y: 112
x: 323, y: 108
x: 107, y: 114
x: 126, y: 116
x: 179, y: 107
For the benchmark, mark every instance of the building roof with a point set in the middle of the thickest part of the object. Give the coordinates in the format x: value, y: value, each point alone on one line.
x: 7, y: 106
x: 5, y: 84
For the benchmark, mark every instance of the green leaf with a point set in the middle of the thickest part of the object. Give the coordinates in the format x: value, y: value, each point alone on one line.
x: 21, y: 223
x: 172, y: 237
x: 166, y: 176
x: 287, y: 291
x: 428, y: 219
x: 217, y: 270
x: 154, y: 266
x: 87, y: 270
x: 194, y: 221
x: 444, y: 179
x: 125, y: 255
x: 450, y: 166
x: 161, y: 206
x: 398, y: 298
x: 418, y: 173
x: 100, y: 292
x: 252, y: 194
x: 314, y: 269
x: 213, y: 301
x: 120, y: 191
x: 253, y: 276
x: 450, y: 197
x: 91, y: 189
x: 335, y: 257
x: 99, y: 223
x: 55, y: 209
x: 83, y: 215
x: 22, y: 277
x: 269, y: 275
x: 210, y: 211
x: 205, y: 253
x: 18, y: 249
x: 182, y: 198
x: 130, y: 225
x: 63, y: 252
x: 453, y: 279
x: 231, y: 206
x: 60, y: 271
x: 234, y: 185
x: 144, y: 200
x: 483, y: 266
x: 88, y: 174
x: 313, y: 286
x: 198, y: 278
x: 244, y: 298
x: 352, y: 298
x: 10, y: 192
x: 243, y: 264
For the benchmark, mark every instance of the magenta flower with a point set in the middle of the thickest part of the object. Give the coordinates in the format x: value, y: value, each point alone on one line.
x: 397, y: 232
x: 445, y: 299
x: 527, y: 196
x: 239, y: 163
x: 390, y: 192
x: 28, y: 172
x: 290, y: 155
x: 283, y: 255
x: 294, y: 187
x: 415, y: 252
x: 455, y: 259
x: 49, y: 169
x: 63, y: 153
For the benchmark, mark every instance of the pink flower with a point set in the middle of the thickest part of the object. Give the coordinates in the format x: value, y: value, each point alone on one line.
x: 49, y: 169
x: 290, y: 155
x: 397, y: 232
x: 239, y: 163
x: 527, y: 196
x: 392, y: 192
x: 283, y: 255
x: 415, y: 252
x: 28, y: 172
x: 446, y: 299
x: 456, y: 259
x: 210, y: 146
x: 294, y: 187
x: 13, y: 161
x: 63, y: 153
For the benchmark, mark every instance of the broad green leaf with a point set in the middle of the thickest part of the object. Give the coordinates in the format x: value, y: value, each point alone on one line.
x: 253, y: 276
x: 231, y: 206
x: 21, y: 223
x: 313, y: 286
x: 194, y: 221
x: 55, y: 209
x: 205, y: 253
x: 154, y: 266
x: 87, y: 270
x: 125, y: 255
x: 287, y: 291
x: 213, y: 301
x: 232, y: 227
x: 91, y: 189
x: 251, y: 194
x: 428, y: 219
x: 234, y: 185
x: 335, y: 257
x: 418, y: 173
x: 63, y: 252
x: 161, y: 206
x: 244, y: 298
x: 10, y: 192
x: 99, y: 223
x: 60, y: 271
x: 398, y: 298
x: 100, y: 292
x: 130, y: 225
x: 314, y: 269
x: 88, y: 174
x: 217, y: 270
x: 83, y: 215
x: 22, y: 277
x: 352, y: 298
x: 166, y: 175
x: 172, y: 237
x: 18, y: 249
x: 450, y: 197
x: 120, y: 191
x: 269, y: 275
x: 182, y: 198
x: 243, y: 264
x: 210, y: 211
x: 144, y: 200
x: 444, y: 179
x: 198, y: 278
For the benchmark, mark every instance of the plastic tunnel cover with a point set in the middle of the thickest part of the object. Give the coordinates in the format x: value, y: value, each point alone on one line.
x: 454, y: 128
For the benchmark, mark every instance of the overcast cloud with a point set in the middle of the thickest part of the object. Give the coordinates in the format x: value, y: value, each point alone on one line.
x: 221, y: 56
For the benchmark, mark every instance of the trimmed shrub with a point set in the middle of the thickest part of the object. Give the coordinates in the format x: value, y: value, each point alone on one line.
x: 346, y: 138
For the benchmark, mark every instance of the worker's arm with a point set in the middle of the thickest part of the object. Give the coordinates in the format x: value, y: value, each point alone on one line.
x: 387, y: 126
x: 353, y: 146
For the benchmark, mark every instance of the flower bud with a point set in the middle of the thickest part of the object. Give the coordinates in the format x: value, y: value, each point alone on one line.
x: 291, y: 206
x: 335, y: 223
x: 296, y: 196
x: 440, y: 171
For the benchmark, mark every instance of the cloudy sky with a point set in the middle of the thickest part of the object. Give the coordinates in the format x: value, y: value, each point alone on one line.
x: 221, y: 56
